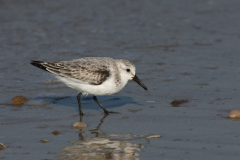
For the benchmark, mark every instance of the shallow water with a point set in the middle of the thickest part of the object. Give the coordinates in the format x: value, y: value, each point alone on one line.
x: 186, y: 50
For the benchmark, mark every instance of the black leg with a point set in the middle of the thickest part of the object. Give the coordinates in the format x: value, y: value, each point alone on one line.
x: 95, y: 99
x: 79, y: 103
x: 81, y: 118
x: 80, y: 133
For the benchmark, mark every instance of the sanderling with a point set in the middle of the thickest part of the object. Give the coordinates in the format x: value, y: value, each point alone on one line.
x: 92, y: 75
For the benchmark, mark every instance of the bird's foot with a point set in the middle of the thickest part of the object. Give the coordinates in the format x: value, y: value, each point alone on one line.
x: 108, y: 112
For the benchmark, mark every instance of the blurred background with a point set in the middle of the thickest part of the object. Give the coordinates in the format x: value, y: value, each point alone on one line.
x: 183, y: 50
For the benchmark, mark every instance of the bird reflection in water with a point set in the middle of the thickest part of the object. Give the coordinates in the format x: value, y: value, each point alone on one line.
x: 102, y: 146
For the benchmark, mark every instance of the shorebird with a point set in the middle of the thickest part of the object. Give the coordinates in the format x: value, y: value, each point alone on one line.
x: 93, y: 75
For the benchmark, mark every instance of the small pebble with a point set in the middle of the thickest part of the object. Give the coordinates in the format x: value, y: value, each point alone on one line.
x: 79, y: 125
x: 129, y: 151
x: 45, y: 141
x: 234, y: 114
x: 154, y: 136
x: 56, y: 132
x: 176, y: 103
x: 19, y: 101
x: 2, y: 146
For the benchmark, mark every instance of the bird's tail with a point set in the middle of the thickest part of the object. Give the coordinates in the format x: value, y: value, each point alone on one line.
x: 39, y: 65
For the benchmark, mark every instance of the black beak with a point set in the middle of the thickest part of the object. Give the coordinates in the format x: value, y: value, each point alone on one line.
x: 136, y: 79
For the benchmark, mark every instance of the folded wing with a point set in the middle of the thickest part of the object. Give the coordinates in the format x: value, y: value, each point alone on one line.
x: 84, y: 70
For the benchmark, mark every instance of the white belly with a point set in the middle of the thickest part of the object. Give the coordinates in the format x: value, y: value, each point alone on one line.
x: 106, y: 88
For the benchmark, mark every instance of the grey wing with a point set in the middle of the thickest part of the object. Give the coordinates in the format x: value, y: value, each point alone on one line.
x: 85, y: 70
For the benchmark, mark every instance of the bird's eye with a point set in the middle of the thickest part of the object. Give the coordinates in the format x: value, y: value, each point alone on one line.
x: 128, y: 70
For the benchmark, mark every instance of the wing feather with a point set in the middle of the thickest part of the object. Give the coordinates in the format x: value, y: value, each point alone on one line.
x: 88, y: 70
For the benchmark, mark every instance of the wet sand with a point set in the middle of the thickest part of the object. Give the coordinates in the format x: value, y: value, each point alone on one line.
x: 184, y: 51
